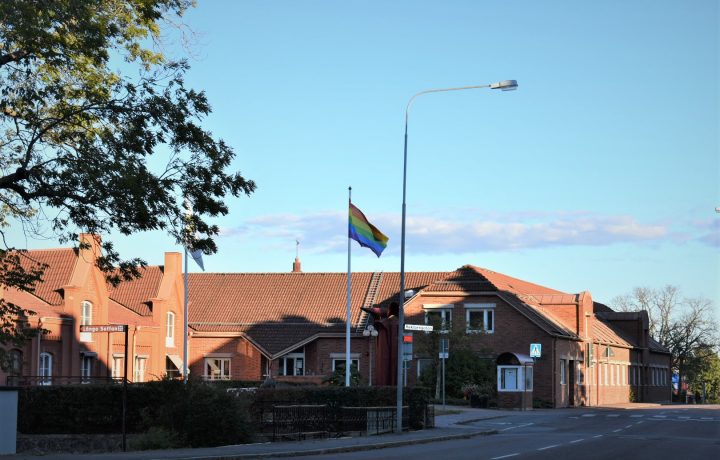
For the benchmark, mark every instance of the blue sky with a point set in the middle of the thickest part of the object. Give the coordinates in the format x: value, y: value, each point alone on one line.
x: 600, y: 173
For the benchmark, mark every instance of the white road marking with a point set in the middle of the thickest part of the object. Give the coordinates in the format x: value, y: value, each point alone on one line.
x: 706, y: 418
x: 504, y: 456
x: 588, y: 415
x: 637, y: 416
x: 659, y: 416
x: 518, y: 426
x: 684, y: 417
x: 548, y: 447
x: 597, y: 436
x: 577, y: 440
x: 613, y: 415
x: 615, y: 431
x: 628, y: 426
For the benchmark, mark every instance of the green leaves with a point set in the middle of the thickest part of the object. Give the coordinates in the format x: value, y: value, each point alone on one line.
x: 84, y: 148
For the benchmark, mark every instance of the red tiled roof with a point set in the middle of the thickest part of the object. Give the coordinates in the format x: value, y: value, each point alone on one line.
x: 252, y: 298
x: 61, y: 263
x: 604, y: 332
x: 120, y: 314
x: 136, y: 294
x: 514, y: 285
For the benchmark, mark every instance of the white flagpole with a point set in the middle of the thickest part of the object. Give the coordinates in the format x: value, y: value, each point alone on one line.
x: 185, y: 323
x: 347, y: 307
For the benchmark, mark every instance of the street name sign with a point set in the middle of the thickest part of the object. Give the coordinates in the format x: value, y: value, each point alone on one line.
x: 418, y: 327
x: 103, y: 328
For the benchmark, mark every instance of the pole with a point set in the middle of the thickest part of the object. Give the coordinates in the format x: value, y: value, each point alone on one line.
x: 124, y: 395
x: 347, y: 305
x: 185, y: 323
x: 504, y: 85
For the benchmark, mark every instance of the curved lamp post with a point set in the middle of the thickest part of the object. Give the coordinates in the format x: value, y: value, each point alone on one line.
x: 505, y: 85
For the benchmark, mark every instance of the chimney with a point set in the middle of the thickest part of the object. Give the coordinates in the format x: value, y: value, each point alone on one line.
x: 296, y: 266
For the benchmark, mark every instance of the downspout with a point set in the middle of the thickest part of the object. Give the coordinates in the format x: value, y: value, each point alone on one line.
x: 554, y: 371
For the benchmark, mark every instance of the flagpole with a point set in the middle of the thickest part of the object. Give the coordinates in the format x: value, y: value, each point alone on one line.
x: 185, y: 322
x: 347, y: 306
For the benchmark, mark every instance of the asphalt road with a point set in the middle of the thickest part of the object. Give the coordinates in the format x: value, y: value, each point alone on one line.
x: 673, y: 432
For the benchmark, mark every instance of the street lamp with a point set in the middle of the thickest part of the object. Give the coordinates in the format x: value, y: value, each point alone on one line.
x: 371, y: 332
x: 505, y: 85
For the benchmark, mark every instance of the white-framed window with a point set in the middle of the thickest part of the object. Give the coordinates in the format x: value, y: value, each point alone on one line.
x: 45, y: 368
x: 579, y: 375
x: 86, y: 367
x: 217, y: 368
x: 293, y: 364
x: 514, y: 378
x: 480, y: 317
x: 339, y: 363
x: 86, y: 319
x: 170, y: 329
x: 605, y: 374
x: 439, y: 315
x: 139, y: 370
x: 563, y: 372
x: 118, y: 366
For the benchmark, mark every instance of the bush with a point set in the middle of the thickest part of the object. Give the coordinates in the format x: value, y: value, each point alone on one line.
x: 167, y: 412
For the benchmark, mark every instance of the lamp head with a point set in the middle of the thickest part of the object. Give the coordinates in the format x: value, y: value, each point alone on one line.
x: 505, y: 85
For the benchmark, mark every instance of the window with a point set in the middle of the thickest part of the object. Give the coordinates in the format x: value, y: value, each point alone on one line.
x: 423, y: 365
x: 16, y: 363
x: 170, y: 330
x: 338, y: 364
x: 605, y: 374
x: 528, y: 378
x: 217, y: 368
x: 45, y: 371
x: 612, y: 374
x: 293, y: 364
x: 563, y: 372
x: 85, y: 319
x: 515, y: 378
x: 579, y: 376
x: 439, y: 315
x: 480, y: 317
x: 139, y: 371
x: 118, y: 366
x: 86, y: 365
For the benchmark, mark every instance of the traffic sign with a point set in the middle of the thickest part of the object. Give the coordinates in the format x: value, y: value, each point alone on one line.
x: 535, y: 350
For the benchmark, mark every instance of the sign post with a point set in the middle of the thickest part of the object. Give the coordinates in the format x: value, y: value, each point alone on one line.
x: 443, y: 355
x: 108, y: 328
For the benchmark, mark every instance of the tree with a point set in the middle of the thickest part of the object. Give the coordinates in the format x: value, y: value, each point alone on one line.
x: 85, y: 148
x: 686, y: 327
x: 464, y: 366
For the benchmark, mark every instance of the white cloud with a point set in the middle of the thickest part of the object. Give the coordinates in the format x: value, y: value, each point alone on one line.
x: 464, y: 232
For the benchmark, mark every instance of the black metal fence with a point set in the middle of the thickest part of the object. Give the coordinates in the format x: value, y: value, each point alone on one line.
x: 43, y: 380
x: 300, y: 421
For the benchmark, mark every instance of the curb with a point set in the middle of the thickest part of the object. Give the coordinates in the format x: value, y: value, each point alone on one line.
x: 337, y: 450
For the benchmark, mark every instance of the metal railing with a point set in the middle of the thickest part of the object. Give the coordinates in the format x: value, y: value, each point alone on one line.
x: 43, y: 380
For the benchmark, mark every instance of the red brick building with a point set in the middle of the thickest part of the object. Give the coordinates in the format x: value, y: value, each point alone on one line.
x: 291, y: 326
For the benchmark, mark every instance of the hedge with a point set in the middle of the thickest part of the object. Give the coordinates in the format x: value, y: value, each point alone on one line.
x: 196, y: 414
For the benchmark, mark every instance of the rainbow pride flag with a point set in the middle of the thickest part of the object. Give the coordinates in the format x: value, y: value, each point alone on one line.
x: 365, y: 233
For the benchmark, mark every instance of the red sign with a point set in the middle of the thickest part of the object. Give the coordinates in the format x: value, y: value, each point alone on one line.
x: 103, y: 328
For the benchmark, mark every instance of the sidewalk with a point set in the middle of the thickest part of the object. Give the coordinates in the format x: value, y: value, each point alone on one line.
x: 447, y: 427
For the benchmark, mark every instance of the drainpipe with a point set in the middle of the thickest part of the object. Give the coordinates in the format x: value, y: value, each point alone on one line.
x: 554, y: 378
